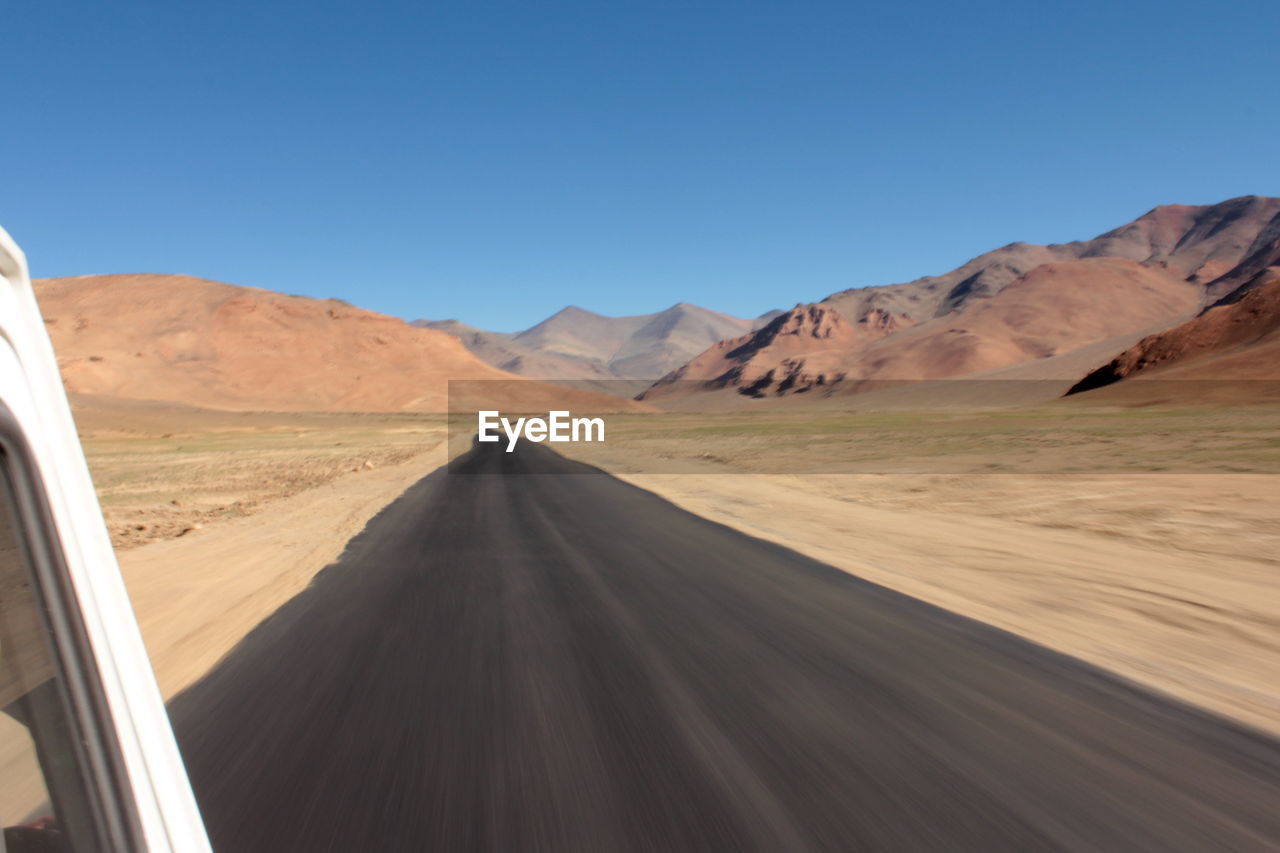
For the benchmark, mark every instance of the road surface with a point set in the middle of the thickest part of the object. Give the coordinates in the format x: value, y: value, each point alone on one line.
x: 514, y: 661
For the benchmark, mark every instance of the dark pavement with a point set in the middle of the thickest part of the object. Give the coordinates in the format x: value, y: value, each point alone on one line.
x: 506, y: 661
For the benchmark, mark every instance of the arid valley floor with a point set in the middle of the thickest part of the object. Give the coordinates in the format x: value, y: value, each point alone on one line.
x: 1142, y: 538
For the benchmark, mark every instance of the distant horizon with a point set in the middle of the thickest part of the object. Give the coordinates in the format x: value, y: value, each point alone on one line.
x: 780, y: 307
x: 560, y: 311
x: 496, y: 163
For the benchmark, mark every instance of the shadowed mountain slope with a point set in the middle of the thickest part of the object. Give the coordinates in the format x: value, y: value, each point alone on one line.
x: 1237, y: 339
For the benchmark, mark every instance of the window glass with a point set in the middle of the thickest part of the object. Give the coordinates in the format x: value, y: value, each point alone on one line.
x: 43, y: 806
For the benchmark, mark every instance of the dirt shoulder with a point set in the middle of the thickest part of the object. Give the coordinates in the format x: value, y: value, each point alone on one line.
x: 164, y: 471
x: 197, y: 596
x: 220, y: 517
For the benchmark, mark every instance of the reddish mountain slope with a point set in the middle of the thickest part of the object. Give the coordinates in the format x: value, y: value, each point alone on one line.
x: 1055, y: 308
x: 204, y: 343
x: 1013, y: 305
x: 1235, y: 340
x: 803, y: 348
x: 1262, y: 256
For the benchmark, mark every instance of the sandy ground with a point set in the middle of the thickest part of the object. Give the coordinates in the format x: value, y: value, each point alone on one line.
x: 164, y: 471
x: 220, y: 517
x: 1169, y: 578
x: 197, y: 596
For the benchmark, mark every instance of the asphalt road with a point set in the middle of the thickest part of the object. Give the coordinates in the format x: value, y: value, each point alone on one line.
x: 510, y: 661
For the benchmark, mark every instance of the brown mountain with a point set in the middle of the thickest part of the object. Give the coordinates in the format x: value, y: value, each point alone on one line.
x: 1236, y: 339
x: 182, y: 339
x: 500, y: 350
x: 1261, y: 259
x: 581, y: 345
x: 1013, y: 305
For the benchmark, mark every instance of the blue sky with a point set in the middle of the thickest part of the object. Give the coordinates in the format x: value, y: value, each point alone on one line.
x: 495, y: 161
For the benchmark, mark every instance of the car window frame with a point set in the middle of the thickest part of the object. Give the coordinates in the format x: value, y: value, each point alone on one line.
x: 117, y: 825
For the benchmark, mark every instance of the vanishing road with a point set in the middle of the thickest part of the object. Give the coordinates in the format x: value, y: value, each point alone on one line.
x: 520, y: 662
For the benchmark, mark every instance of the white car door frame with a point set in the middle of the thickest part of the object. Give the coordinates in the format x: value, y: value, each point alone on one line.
x: 132, y: 761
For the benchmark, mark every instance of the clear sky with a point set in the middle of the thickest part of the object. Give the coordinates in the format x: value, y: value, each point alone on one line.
x: 495, y: 161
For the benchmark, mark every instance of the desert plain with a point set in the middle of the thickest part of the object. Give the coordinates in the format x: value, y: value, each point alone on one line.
x: 1138, y: 536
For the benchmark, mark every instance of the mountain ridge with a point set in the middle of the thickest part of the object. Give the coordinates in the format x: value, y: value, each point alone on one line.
x: 1159, y: 269
x: 215, y: 345
x: 575, y: 343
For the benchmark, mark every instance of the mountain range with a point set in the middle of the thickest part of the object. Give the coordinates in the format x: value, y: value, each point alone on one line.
x: 1236, y: 339
x: 577, y: 344
x: 1010, y: 306
x: 181, y: 339
x: 1182, y: 291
